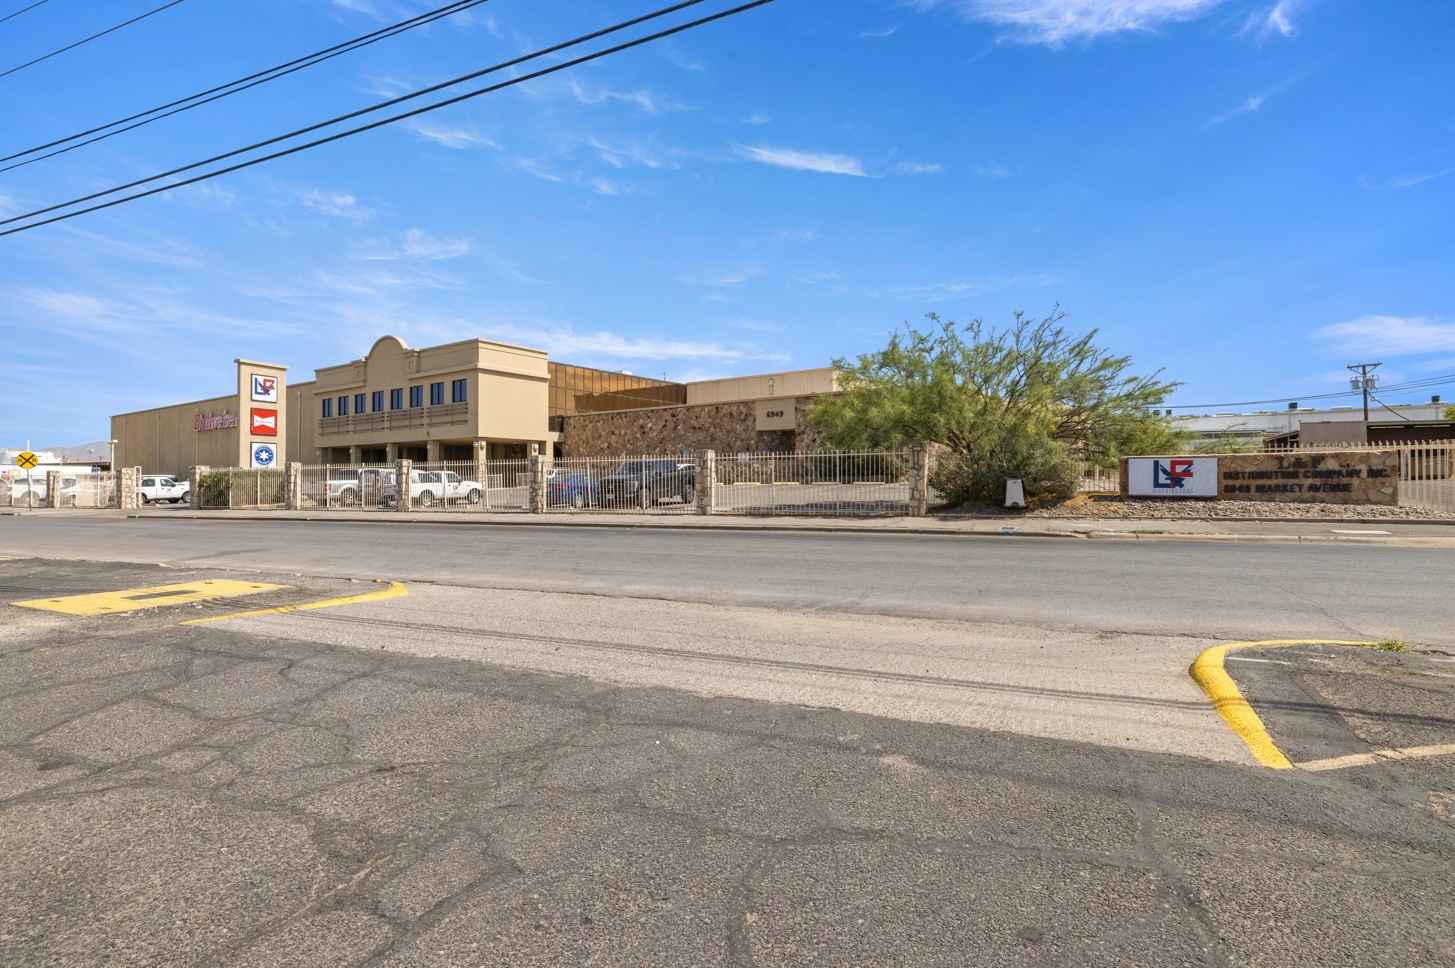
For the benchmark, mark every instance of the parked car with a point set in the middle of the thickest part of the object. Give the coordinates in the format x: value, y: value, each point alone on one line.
x: 577, y: 490
x: 428, y: 488
x: 155, y: 487
x: 643, y: 483
x: 348, y: 486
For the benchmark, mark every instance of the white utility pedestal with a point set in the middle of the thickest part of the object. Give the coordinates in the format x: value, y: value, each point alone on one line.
x: 1015, y: 494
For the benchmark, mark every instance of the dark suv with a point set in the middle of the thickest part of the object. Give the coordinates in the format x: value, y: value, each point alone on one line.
x: 642, y: 483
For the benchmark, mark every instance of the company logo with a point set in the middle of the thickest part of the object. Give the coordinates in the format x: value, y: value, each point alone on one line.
x: 1171, y: 474
x: 265, y: 388
x: 264, y: 455
x: 211, y: 421
x: 265, y: 423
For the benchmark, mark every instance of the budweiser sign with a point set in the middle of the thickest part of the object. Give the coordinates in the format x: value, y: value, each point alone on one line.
x: 210, y: 421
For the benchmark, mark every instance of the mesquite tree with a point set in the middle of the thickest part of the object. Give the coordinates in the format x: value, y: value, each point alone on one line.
x: 1032, y: 401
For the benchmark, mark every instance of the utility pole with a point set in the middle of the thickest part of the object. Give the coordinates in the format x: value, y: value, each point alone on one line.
x: 1364, y: 382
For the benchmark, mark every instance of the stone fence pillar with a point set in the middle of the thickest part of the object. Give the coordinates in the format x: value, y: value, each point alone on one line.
x: 919, y: 481
x: 706, y: 480
x: 539, y: 467
x: 403, y: 489
x: 194, y: 486
x: 129, y: 484
x: 53, y: 497
x: 292, y: 486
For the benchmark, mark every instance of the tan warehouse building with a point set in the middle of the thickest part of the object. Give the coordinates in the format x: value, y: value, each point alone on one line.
x: 473, y: 400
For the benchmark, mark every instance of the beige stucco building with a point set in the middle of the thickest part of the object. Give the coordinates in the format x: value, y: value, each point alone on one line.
x: 243, y: 428
x: 473, y: 400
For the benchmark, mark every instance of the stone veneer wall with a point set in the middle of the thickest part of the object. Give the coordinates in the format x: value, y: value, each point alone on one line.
x: 728, y: 428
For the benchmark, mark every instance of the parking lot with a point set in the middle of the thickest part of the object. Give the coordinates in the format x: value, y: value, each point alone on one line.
x: 315, y: 787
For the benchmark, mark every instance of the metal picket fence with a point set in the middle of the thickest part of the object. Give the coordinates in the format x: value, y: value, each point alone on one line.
x: 638, y: 484
x: 832, y: 483
x: 467, y: 486
x: 237, y: 487
x: 79, y: 489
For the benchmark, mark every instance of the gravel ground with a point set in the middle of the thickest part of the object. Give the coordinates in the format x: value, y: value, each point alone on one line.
x: 1116, y: 507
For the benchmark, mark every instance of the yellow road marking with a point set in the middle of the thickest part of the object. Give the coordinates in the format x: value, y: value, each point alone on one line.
x: 131, y: 599
x: 1364, y: 759
x: 1229, y: 703
x: 394, y: 590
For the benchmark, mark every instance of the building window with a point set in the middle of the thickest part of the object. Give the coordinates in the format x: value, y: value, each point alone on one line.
x: 457, y: 391
x: 343, y: 406
x: 416, y: 396
x: 361, y: 400
x: 396, y: 399
x: 328, y: 407
x: 377, y: 403
x: 436, y: 394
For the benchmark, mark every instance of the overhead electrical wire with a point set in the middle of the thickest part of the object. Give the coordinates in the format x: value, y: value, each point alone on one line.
x: 22, y: 10
x: 87, y: 40
x: 233, y: 87
x: 1436, y: 381
x: 555, y: 68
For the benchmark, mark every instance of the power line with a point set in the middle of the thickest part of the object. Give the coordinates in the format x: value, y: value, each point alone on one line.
x: 22, y: 10
x: 87, y: 40
x: 241, y: 84
x: 398, y: 117
x: 345, y: 117
x: 1437, y: 381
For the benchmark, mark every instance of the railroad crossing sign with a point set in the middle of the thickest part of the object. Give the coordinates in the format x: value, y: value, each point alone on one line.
x: 26, y: 461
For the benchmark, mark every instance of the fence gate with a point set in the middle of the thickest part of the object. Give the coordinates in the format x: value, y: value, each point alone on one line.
x: 1427, y: 475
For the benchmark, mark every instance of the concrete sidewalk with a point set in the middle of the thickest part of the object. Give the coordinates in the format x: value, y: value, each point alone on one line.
x: 1351, y: 530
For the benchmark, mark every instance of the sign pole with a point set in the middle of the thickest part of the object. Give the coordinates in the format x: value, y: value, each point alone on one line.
x: 29, y: 487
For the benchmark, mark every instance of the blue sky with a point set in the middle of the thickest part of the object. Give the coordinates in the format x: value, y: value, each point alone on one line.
x: 1248, y: 195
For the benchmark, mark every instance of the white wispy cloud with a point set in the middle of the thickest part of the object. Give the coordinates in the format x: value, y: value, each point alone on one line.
x: 1277, y: 19
x: 1054, y: 22
x: 623, y: 155
x: 1406, y: 182
x: 878, y: 34
x: 918, y: 168
x: 802, y: 160
x: 757, y: 119
x: 605, y: 345
x: 719, y: 280
x: 459, y: 138
x: 1247, y: 107
x: 1392, y: 335
x: 641, y: 97
x: 992, y: 170
x: 816, y: 278
x: 796, y: 235
x: 419, y: 244
x: 338, y: 204
x: 947, y: 290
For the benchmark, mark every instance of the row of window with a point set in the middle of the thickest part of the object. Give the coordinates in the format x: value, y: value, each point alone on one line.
x: 374, y: 402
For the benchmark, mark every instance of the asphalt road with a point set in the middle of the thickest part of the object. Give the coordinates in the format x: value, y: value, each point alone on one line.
x: 1167, y: 588
x: 228, y: 794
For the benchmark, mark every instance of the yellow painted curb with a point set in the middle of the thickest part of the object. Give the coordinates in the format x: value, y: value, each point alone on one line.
x: 1229, y: 703
x: 394, y: 590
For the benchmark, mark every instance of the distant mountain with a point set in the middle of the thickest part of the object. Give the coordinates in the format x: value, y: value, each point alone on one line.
x: 100, y: 450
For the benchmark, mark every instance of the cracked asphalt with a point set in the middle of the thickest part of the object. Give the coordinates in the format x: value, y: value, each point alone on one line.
x: 224, y: 794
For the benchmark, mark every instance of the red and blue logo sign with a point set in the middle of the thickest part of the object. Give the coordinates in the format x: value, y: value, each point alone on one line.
x: 1168, y: 475
x: 265, y: 388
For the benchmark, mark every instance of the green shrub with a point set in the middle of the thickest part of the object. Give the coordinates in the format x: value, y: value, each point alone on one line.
x: 1045, y: 469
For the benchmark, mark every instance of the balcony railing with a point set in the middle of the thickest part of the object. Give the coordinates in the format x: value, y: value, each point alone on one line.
x: 437, y: 416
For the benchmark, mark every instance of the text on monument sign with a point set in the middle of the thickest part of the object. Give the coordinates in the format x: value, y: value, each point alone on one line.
x: 1298, y: 475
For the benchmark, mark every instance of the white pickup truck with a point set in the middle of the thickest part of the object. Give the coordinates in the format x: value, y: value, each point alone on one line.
x: 428, y: 488
x: 155, y: 487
